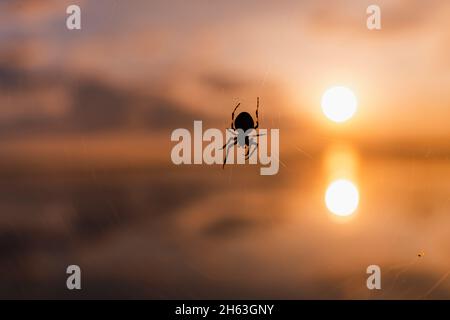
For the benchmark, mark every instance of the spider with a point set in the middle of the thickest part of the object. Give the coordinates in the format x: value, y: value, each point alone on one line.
x: 242, y: 138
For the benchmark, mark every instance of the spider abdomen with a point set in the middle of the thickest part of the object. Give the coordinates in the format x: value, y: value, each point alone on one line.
x: 244, y: 121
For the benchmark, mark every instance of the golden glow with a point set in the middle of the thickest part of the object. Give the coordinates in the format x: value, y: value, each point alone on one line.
x: 339, y: 104
x: 341, y: 162
x: 342, y: 197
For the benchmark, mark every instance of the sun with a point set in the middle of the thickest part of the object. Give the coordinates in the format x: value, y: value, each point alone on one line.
x: 342, y: 198
x: 339, y: 104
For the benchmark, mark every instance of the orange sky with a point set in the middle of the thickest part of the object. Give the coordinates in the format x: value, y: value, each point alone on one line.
x: 204, y: 56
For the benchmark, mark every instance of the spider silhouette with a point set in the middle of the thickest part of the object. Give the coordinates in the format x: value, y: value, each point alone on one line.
x: 242, y: 138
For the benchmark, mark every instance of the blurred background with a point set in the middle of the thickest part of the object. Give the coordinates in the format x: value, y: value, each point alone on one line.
x: 86, y: 176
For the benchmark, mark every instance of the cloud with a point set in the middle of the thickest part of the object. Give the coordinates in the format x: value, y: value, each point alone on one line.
x: 55, y: 103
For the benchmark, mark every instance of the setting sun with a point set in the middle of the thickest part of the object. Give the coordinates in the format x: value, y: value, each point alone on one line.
x: 339, y: 104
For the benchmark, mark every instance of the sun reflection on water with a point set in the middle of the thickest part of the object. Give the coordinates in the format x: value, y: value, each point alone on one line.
x: 342, y: 193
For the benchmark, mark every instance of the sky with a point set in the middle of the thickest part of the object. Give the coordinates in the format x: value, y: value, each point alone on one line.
x: 202, y: 57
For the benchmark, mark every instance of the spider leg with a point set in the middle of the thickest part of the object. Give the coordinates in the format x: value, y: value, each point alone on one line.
x: 257, y: 135
x: 232, y: 116
x: 232, y: 131
x: 252, y: 143
x: 257, y: 107
x: 229, y: 140
x: 228, y: 150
